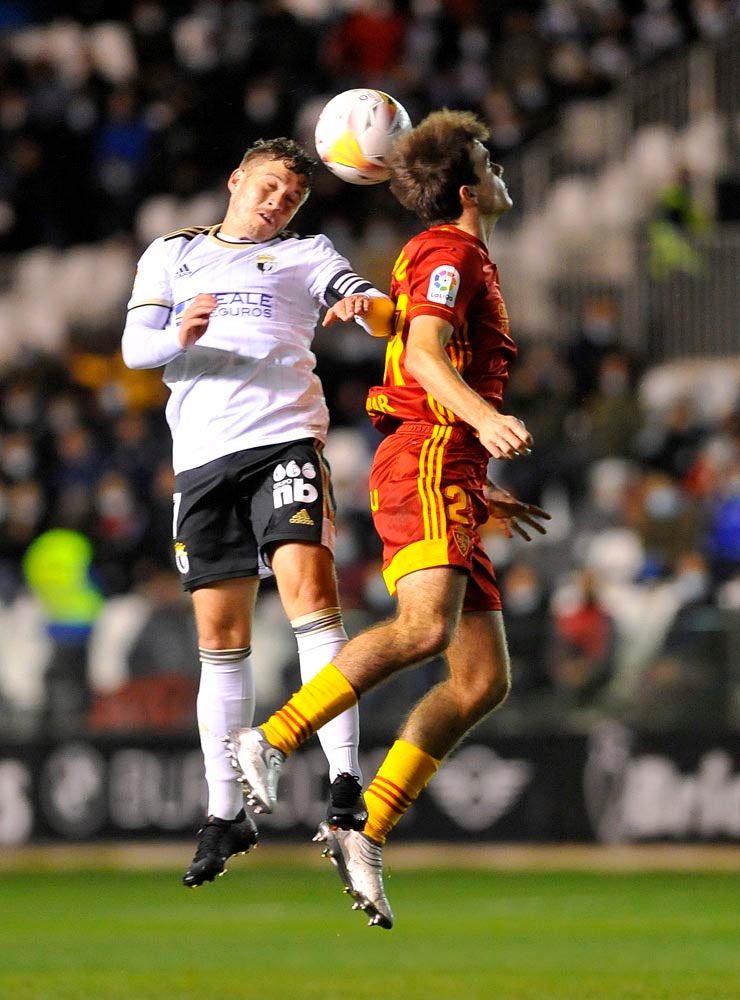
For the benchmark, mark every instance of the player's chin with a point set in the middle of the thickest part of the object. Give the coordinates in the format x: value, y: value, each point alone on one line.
x: 264, y: 230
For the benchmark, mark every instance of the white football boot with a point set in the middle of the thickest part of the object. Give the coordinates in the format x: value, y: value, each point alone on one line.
x: 259, y: 765
x: 359, y: 861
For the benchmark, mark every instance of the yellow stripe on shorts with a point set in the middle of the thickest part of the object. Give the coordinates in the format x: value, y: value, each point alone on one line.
x: 429, y: 480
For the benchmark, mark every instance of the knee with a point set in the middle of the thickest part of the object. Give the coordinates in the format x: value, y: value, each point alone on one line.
x: 224, y: 633
x: 428, y: 638
x: 488, y: 692
x: 499, y: 688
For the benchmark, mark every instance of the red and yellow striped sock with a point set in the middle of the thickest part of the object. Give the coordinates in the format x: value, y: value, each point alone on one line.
x: 320, y: 699
x: 402, y: 776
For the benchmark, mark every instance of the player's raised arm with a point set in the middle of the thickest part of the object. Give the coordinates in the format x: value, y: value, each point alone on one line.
x: 503, y: 435
x: 349, y: 296
x: 373, y: 313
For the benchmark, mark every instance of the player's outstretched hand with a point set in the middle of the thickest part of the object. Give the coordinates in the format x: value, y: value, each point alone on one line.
x: 347, y: 309
x: 513, y: 513
x: 195, y: 318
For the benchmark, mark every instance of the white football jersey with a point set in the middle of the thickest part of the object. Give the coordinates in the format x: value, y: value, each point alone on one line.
x: 249, y: 380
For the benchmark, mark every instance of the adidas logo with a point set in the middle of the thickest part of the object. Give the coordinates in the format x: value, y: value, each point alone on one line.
x: 302, y: 517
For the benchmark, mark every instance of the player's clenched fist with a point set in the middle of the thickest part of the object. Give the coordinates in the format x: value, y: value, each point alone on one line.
x: 195, y: 318
x: 504, y: 435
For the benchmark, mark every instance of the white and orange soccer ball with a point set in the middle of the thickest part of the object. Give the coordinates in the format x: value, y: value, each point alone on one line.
x: 355, y: 133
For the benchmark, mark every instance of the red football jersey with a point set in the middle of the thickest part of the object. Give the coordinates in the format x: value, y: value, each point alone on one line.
x: 444, y: 272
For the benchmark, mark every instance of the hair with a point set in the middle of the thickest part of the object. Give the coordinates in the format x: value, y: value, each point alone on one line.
x: 431, y: 162
x: 293, y: 155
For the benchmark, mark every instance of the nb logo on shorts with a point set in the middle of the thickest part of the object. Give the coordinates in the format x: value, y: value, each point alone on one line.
x: 302, y: 517
x: 290, y: 484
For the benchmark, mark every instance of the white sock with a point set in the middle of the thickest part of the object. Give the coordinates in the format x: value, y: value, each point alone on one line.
x: 320, y: 636
x: 225, y: 701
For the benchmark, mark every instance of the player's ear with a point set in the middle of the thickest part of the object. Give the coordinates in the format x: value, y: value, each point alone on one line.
x: 234, y: 178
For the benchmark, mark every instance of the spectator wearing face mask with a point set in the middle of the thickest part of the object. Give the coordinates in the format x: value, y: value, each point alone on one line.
x: 118, y: 527
x: 598, y: 334
x: 613, y: 412
x: 665, y: 516
x: 582, y: 651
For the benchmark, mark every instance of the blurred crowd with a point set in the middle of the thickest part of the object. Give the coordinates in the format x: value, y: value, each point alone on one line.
x: 629, y: 607
x: 106, y: 106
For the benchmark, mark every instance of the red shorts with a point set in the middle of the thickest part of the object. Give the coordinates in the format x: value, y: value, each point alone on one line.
x: 426, y: 495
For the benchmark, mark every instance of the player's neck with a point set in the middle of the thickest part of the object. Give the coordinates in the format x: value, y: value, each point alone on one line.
x: 477, y: 225
x: 231, y: 237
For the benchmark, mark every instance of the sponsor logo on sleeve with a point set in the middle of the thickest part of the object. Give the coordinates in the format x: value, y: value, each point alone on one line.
x: 444, y: 284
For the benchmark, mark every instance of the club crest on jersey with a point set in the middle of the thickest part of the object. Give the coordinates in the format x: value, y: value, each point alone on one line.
x: 462, y: 539
x: 266, y: 263
x: 290, y: 484
x: 181, y: 557
x: 444, y: 285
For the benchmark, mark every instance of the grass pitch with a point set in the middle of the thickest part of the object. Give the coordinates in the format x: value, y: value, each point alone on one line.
x: 282, y: 930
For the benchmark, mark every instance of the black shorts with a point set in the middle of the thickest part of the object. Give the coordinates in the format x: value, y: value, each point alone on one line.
x: 230, y: 513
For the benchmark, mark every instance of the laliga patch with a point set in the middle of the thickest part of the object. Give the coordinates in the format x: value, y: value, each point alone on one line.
x: 444, y: 285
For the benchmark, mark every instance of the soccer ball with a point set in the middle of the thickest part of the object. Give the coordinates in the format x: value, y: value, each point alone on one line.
x: 355, y: 132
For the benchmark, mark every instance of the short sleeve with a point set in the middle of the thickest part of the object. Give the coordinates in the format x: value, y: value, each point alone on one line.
x: 152, y: 281
x: 445, y: 281
x: 324, y: 265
